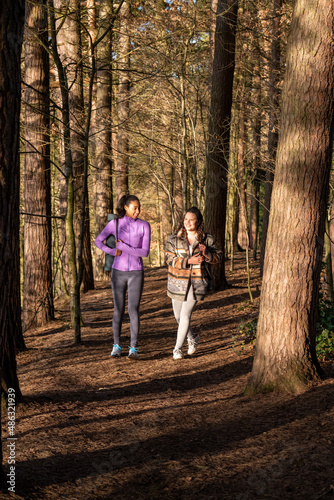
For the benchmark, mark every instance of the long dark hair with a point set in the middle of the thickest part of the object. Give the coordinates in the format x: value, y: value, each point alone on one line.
x: 126, y: 199
x: 182, y: 232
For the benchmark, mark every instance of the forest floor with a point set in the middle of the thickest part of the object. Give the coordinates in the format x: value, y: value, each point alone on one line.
x: 92, y: 427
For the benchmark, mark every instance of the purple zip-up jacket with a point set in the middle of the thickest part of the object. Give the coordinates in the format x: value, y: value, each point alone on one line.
x: 136, y: 238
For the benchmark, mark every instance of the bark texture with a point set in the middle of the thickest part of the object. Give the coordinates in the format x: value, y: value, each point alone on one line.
x: 273, y: 122
x: 65, y: 111
x: 285, y: 352
x: 219, y: 129
x: 38, y: 299
x: 103, y: 200
x: 72, y: 60
x: 11, y: 34
x: 122, y: 162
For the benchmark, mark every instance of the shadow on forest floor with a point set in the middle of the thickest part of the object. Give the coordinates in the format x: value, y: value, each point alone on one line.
x: 91, y: 427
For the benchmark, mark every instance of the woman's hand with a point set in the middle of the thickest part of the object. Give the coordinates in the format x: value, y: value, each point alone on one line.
x: 118, y: 252
x: 203, y: 249
x: 196, y: 259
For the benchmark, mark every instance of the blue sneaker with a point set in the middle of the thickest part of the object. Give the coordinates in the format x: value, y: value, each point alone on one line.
x: 133, y: 353
x: 116, y: 351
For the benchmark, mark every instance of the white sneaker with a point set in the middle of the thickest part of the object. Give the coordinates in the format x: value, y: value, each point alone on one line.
x: 177, y: 354
x: 192, y: 345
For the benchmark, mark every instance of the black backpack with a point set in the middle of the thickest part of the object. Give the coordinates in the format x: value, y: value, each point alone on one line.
x: 111, y: 243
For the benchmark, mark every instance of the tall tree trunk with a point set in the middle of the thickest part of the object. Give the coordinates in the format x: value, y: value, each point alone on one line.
x: 184, y: 129
x: 65, y: 109
x: 124, y: 48
x: 273, y: 122
x: 285, y: 355
x: 73, y: 62
x: 219, y: 129
x: 11, y: 34
x: 92, y: 31
x: 255, y: 185
x: 38, y: 294
x: 103, y: 200
x: 254, y: 216
x: 84, y: 198
x: 177, y: 197
x: 213, y: 14
x: 235, y: 206
x: 233, y: 189
x: 243, y: 239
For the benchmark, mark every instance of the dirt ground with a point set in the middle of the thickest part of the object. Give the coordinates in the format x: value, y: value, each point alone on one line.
x: 92, y: 427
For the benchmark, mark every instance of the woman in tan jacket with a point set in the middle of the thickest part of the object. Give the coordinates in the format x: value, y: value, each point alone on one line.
x: 188, y: 255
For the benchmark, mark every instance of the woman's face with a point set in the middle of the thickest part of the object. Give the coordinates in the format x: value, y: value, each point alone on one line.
x: 132, y: 210
x: 190, y: 222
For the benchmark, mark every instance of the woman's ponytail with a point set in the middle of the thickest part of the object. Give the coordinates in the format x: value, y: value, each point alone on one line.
x: 126, y: 199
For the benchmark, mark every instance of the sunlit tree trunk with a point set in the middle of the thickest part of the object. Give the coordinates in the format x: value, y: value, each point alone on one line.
x: 103, y: 200
x: 72, y: 58
x: 219, y: 129
x: 256, y: 161
x: 11, y: 34
x: 242, y: 181
x: 285, y: 355
x: 124, y: 48
x: 213, y: 15
x: 177, y: 197
x: 184, y: 129
x: 92, y: 30
x: 70, y: 195
x: 38, y: 296
x: 273, y: 121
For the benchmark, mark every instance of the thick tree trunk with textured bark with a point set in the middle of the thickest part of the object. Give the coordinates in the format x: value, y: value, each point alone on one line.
x: 11, y: 34
x: 285, y: 354
x: 219, y: 129
x: 38, y: 296
x: 103, y: 200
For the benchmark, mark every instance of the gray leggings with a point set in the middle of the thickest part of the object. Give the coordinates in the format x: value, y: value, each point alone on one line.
x: 182, y: 312
x: 133, y: 281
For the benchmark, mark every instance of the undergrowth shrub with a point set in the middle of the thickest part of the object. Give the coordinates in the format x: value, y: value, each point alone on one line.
x: 325, y: 330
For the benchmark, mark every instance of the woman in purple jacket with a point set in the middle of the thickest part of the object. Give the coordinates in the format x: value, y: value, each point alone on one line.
x: 133, y: 243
